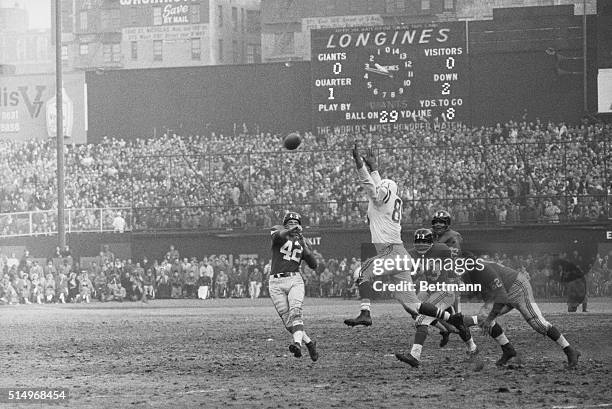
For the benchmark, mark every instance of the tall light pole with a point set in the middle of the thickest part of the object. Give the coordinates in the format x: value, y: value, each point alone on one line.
x: 61, y: 229
x: 584, y: 57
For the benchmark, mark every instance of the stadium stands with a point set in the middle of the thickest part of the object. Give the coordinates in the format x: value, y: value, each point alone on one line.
x: 515, y: 173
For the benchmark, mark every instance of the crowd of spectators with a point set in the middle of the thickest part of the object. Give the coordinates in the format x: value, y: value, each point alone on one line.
x: 511, y: 173
x: 62, y: 279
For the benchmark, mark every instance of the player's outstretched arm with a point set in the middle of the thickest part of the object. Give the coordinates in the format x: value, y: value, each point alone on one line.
x: 364, y: 175
x: 279, y: 232
x: 370, y: 162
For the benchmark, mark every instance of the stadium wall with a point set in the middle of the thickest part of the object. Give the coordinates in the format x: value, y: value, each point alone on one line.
x: 141, y: 103
x: 330, y: 243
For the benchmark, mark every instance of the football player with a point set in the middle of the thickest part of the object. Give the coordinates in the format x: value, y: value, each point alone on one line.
x: 502, y: 290
x: 432, y: 256
x: 384, y: 217
x: 440, y: 224
x: 286, y: 285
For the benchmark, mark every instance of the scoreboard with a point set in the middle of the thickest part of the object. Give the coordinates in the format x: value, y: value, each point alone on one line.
x: 416, y: 74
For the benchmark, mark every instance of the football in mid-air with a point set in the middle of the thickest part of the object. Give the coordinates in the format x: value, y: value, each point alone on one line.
x: 292, y: 141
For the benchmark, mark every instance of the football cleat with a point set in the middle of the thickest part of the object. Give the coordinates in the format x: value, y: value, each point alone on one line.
x: 364, y: 319
x: 409, y: 359
x: 445, y: 338
x: 471, y: 355
x: 572, y: 356
x: 296, y: 349
x: 508, y: 354
x: 312, y: 350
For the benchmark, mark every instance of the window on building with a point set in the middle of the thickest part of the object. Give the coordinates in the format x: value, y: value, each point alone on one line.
x: 116, y: 52
x: 64, y: 53
x: 195, y: 14
x: 107, y: 52
x: 134, y: 48
x: 253, y: 53
x: 116, y: 19
x: 220, y: 15
x: 196, y: 49
x: 253, y: 23
x: 42, y: 48
x: 242, y: 22
x: 157, y: 50
x: 400, y: 6
x: 235, y: 52
x: 157, y: 16
x: 134, y: 15
x: 389, y: 6
x: 220, y: 50
x: 84, y: 49
x: 21, y: 49
x: 105, y: 19
x: 235, y: 18
x: 425, y: 5
x: 449, y: 5
x: 83, y: 20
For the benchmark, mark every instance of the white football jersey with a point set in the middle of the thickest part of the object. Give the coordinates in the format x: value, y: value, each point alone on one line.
x: 384, y: 208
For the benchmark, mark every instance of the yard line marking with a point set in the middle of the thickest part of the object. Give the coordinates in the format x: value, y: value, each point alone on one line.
x: 205, y: 391
x: 601, y: 405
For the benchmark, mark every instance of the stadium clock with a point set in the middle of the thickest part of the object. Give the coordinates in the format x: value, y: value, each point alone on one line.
x: 408, y: 77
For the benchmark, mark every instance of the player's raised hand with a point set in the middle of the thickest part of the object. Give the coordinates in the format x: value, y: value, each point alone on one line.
x: 370, y: 160
x: 357, y: 157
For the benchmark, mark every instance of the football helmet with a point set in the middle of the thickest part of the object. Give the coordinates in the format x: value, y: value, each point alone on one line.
x: 390, y: 185
x: 423, y: 240
x: 292, y: 216
x: 441, y: 221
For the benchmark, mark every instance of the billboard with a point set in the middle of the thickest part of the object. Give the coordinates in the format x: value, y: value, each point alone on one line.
x: 27, y: 107
x: 604, y: 91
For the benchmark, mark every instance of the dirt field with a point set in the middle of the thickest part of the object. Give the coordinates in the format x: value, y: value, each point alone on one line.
x: 233, y: 353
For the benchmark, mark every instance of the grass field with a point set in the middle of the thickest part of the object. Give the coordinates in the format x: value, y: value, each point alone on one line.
x: 233, y: 353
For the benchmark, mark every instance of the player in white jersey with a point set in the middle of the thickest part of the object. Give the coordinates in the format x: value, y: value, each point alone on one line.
x: 384, y: 217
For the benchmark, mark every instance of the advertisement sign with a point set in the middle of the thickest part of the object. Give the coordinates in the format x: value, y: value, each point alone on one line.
x: 165, y: 33
x: 27, y: 107
x: 67, y: 115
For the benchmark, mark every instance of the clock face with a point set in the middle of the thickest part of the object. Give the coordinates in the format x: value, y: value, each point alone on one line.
x: 388, y: 73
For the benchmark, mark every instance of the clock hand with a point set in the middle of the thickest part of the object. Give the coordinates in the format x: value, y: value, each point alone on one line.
x: 375, y: 71
x: 381, y: 68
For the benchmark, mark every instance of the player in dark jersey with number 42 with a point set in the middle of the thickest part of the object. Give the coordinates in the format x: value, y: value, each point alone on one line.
x: 286, y: 284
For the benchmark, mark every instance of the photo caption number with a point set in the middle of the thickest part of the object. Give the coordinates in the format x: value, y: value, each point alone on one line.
x: 290, y: 253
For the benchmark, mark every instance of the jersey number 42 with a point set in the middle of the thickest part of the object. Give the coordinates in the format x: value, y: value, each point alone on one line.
x: 291, y: 253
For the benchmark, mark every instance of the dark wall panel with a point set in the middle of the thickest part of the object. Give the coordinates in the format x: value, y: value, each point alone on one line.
x: 132, y: 103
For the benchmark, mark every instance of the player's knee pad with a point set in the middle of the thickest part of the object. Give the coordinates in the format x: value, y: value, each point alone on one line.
x: 541, y: 326
x: 422, y: 329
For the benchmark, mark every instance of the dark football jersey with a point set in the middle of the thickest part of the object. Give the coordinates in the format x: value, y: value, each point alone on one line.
x: 432, y: 263
x: 495, y: 280
x: 565, y: 271
x: 451, y: 238
x: 286, y: 253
